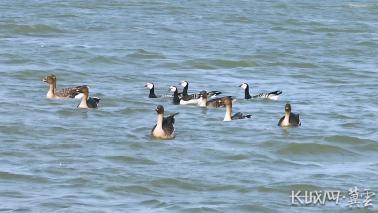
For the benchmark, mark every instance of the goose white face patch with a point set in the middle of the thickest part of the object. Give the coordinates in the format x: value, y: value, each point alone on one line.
x: 150, y: 85
x: 184, y: 83
x: 244, y: 86
x: 173, y: 89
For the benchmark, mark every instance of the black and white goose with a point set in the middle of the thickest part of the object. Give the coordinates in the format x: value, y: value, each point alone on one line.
x: 183, y: 100
x: 270, y: 95
x: 86, y: 101
x: 289, y: 119
x: 61, y: 94
x: 185, y: 85
x: 151, y: 87
x: 164, y: 128
x: 203, y: 101
x: 228, y: 116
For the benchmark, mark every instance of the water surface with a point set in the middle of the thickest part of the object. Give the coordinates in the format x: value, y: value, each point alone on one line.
x: 55, y: 158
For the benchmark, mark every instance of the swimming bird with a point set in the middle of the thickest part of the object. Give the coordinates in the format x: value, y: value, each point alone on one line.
x: 212, y: 103
x: 183, y: 100
x: 290, y: 119
x: 151, y: 87
x: 86, y: 101
x: 164, y: 128
x: 185, y: 85
x: 228, y: 116
x: 61, y: 94
x: 271, y: 95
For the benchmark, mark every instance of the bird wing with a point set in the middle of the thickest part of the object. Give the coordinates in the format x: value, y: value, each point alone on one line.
x: 213, y: 93
x: 168, y: 124
x: 153, y: 128
x: 217, y: 102
x: 277, y: 92
x: 280, y: 121
x: 294, y: 119
x: 266, y: 95
x: 69, y: 92
x: 240, y: 115
x: 260, y: 95
x: 93, y: 102
x: 209, y: 94
x: 187, y: 98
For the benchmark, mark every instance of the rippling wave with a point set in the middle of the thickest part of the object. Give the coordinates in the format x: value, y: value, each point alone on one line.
x: 31, y: 29
x: 218, y: 64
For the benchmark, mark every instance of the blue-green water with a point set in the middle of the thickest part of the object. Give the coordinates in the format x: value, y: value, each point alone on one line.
x: 54, y: 158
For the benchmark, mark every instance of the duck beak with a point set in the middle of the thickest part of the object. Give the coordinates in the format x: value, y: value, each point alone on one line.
x: 44, y: 80
x: 145, y: 85
x: 240, y: 85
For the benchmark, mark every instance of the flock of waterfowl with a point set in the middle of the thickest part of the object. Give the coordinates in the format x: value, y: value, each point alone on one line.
x: 164, y: 128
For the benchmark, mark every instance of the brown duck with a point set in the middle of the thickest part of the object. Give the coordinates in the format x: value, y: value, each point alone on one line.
x: 203, y: 101
x: 164, y: 128
x: 228, y: 116
x: 64, y: 93
x: 289, y: 119
x: 86, y: 101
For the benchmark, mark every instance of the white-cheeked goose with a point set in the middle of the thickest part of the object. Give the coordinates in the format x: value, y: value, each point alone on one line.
x: 270, y: 95
x: 185, y: 85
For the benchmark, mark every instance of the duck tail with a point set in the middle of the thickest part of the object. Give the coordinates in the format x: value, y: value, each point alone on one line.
x: 171, y: 119
x: 278, y: 92
x: 214, y: 93
x: 97, y: 99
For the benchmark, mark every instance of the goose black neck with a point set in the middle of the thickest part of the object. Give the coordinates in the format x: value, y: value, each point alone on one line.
x: 246, y: 93
x: 152, y: 93
x: 176, y: 99
x: 185, y: 90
